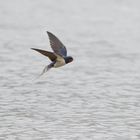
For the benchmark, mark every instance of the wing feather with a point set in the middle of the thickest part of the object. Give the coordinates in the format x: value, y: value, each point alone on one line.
x: 56, y: 45
x: 50, y: 55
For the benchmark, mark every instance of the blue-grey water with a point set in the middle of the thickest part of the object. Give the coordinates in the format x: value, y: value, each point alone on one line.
x: 97, y: 97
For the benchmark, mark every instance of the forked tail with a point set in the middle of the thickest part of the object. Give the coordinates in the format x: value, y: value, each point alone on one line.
x: 47, y: 68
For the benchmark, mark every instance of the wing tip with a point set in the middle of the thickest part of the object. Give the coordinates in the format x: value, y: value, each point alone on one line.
x: 32, y: 48
x: 48, y: 32
x: 51, y: 35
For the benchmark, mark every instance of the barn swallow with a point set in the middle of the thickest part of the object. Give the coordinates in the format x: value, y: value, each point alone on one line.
x: 59, y: 55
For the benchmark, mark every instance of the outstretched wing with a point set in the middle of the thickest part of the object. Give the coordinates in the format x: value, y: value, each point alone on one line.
x: 50, y: 55
x: 57, y: 45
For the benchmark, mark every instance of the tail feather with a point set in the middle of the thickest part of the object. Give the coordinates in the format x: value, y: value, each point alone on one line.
x: 47, y: 68
x: 44, y: 70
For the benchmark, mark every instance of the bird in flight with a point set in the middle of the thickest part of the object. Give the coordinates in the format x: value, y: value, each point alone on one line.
x: 59, y: 55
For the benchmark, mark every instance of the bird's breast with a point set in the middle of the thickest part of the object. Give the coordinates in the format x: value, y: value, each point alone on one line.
x: 59, y: 63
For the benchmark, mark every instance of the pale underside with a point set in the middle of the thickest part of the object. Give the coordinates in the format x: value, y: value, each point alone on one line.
x: 59, y: 61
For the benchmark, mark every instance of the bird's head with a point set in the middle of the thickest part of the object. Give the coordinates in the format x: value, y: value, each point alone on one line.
x: 68, y: 59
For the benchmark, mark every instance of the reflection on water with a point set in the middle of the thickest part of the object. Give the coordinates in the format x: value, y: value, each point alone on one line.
x: 96, y: 96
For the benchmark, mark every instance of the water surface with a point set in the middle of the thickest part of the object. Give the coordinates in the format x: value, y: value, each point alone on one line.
x: 94, y: 98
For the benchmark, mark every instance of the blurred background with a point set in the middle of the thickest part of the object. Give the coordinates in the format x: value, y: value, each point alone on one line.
x: 95, y: 97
